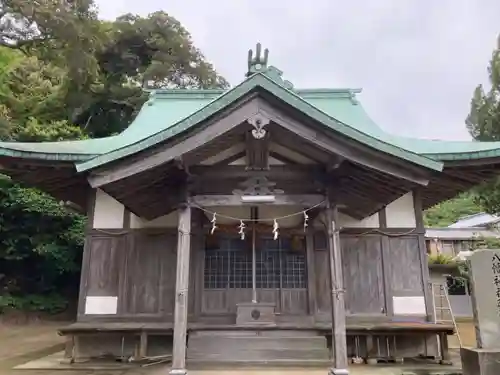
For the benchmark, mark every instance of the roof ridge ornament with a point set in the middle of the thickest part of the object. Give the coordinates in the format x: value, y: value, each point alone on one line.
x: 258, y: 64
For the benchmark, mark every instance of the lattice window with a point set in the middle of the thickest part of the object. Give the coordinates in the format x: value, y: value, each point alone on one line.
x: 228, y: 264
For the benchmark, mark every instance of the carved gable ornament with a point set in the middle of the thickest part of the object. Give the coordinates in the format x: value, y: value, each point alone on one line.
x: 258, y: 121
x: 258, y: 185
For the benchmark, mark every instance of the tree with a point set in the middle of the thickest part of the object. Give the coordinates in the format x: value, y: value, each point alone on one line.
x: 483, y: 124
x: 448, y: 212
x: 25, y: 23
x: 156, y: 48
x: 66, y: 75
x: 57, y: 30
x: 33, y: 88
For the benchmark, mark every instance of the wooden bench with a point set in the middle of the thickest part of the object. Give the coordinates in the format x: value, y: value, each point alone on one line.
x: 142, y: 330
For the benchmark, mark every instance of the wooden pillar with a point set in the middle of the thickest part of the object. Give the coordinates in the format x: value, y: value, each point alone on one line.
x: 339, y: 343
x: 311, y: 274
x: 385, y: 251
x: 424, y: 265
x: 181, y: 292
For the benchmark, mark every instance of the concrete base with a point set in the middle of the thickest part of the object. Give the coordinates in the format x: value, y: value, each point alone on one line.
x: 480, y: 361
x: 176, y: 371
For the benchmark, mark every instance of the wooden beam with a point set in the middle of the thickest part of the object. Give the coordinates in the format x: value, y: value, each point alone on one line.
x: 257, y: 152
x: 284, y: 140
x: 349, y: 149
x: 305, y: 200
x: 206, y: 134
x: 339, y: 344
x: 282, y: 158
x: 275, y: 172
x: 230, y: 159
x: 223, y: 155
x: 181, y: 292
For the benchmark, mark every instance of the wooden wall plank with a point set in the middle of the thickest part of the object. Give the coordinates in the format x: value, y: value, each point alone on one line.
x: 86, y: 253
x: 149, y: 275
x: 405, y: 274
x: 106, y: 257
x: 363, y: 275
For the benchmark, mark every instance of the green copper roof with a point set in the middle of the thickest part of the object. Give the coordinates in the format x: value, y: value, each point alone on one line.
x: 169, y: 112
x: 263, y: 81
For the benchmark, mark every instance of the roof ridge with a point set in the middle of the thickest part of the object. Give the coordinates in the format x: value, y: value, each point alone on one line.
x: 274, y: 89
x: 357, y: 130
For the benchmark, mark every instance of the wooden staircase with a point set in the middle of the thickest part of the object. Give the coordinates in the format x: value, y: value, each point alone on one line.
x: 254, y: 347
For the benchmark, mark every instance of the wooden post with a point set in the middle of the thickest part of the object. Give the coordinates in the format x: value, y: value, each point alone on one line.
x: 339, y: 343
x: 424, y: 265
x: 254, y: 254
x: 311, y: 274
x: 181, y: 292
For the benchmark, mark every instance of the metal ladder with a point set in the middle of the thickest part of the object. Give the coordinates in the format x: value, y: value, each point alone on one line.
x: 441, y: 297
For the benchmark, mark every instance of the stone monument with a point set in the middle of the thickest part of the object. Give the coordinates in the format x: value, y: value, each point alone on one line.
x: 484, y: 271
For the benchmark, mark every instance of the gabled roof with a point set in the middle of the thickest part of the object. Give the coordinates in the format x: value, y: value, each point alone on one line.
x: 169, y: 112
x: 256, y: 81
x: 459, y: 233
x: 481, y: 219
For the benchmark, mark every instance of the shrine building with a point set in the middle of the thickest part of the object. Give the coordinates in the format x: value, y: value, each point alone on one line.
x: 260, y: 224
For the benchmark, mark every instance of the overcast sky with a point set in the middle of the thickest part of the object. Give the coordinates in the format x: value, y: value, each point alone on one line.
x: 418, y: 61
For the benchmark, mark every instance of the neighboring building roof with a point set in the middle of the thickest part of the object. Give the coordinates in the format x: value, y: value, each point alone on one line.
x: 481, y: 219
x: 459, y: 233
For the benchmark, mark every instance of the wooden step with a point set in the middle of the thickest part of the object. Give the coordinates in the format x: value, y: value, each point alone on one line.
x: 207, y: 364
x: 261, y: 343
x: 252, y: 348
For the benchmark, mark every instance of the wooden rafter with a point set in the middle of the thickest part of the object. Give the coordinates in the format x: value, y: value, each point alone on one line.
x: 149, y: 159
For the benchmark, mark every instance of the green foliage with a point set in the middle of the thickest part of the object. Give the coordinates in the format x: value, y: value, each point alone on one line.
x: 32, y: 88
x: 440, y: 259
x: 135, y: 49
x: 51, y: 303
x: 485, y: 243
x: 66, y: 75
x: 61, y: 130
x: 448, y: 212
x: 483, y: 124
x: 40, y: 240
